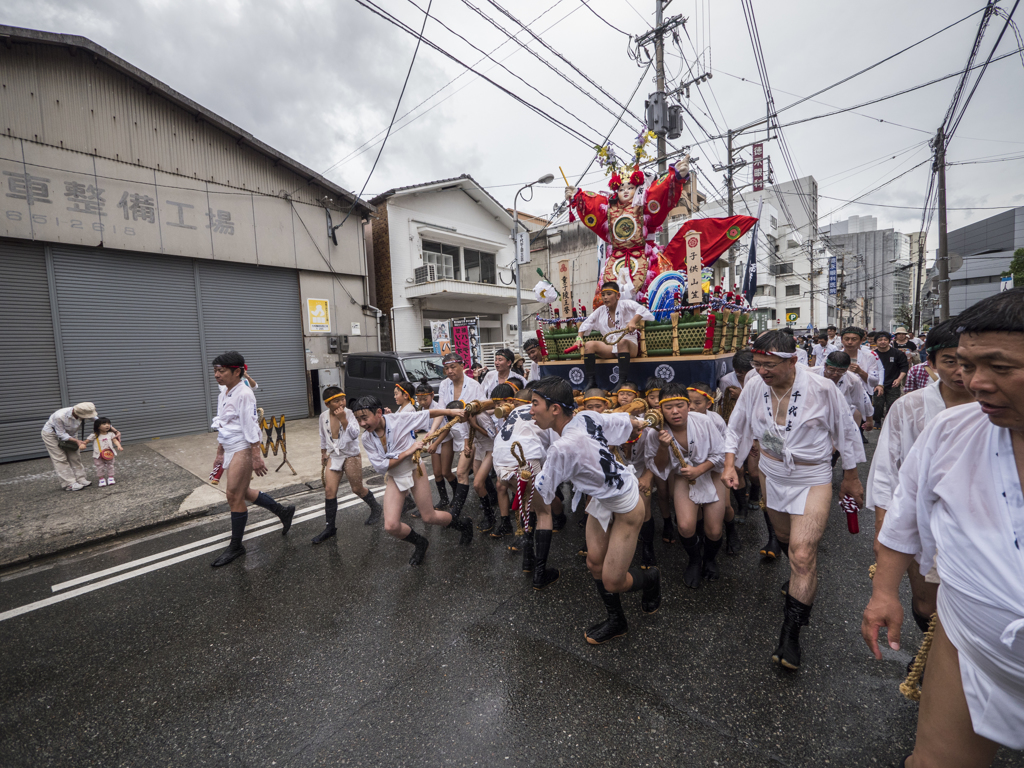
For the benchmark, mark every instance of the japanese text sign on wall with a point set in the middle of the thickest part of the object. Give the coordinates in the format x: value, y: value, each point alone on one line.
x: 466, y: 340
x: 319, y: 315
x: 693, y: 268
x: 832, y: 276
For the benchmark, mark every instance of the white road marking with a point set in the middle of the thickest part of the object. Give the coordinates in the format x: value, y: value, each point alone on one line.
x: 14, y: 612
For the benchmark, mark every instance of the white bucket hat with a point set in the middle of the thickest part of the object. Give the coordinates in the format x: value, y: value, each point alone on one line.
x: 85, y: 411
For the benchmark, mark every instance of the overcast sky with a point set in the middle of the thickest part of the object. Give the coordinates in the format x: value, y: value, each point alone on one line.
x: 319, y: 81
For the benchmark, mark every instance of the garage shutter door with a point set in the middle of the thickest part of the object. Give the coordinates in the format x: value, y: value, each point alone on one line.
x: 130, y: 339
x: 29, y: 383
x: 255, y: 310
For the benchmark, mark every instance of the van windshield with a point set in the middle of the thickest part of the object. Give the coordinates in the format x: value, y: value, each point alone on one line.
x: 427, y: 366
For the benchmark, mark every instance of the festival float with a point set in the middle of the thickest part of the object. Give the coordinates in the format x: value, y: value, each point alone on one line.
x: 697, y: 326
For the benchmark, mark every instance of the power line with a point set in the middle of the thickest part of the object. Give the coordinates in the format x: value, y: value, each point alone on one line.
x: 369, y: 142
x: 602, y: 18
x: 373, y: 8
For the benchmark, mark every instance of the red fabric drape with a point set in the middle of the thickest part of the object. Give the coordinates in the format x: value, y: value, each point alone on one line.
x: 716, y: 235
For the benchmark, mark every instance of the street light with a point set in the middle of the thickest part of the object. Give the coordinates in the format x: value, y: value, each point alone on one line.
x: 546, y: 179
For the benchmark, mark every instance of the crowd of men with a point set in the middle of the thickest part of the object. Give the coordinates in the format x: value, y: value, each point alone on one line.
x: 945, y: 478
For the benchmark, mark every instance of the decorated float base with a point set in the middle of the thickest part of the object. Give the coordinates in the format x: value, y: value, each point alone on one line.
x: 682, y: 368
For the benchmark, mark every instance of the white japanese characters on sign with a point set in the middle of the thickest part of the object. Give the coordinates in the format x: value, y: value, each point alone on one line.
x: 694, y: 290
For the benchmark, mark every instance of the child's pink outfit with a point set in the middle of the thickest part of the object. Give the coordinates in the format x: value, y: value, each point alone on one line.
x: 104, y: 466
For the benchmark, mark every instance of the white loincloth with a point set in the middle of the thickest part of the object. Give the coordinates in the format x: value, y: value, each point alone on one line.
x: 481, y: 447
x: 787, y: 490
x: 703, y: 490
x: 603, y: 509
x: 230, y: 449
x: 991, y: 650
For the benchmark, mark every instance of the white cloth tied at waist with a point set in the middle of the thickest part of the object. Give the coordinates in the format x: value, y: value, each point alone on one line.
x: 992, y: 676
x: 786, y: 489
x: 603, y: 509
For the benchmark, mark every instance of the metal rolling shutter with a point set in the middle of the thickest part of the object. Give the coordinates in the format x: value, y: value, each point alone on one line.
x: 29, y: 384
x: 256, y: 311
x: 130, y: 339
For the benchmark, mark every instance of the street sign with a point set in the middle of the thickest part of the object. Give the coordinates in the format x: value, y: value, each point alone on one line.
x: 522, y: 248
x: 1006, y: 284
x: 832, y: 277
x: 792, y: 317
x: 758, y: 167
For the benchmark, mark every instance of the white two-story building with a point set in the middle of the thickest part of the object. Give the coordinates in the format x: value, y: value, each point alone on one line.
x: 442, y: 250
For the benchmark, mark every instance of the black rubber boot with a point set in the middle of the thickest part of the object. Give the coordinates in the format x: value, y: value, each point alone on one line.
x: 668, y: 530
x: 408, y: 507
x: 421, y: 544
x: 459, y: 499
x: 285, y: 514
x: 589, y: 372
x: 753, y: 495
x: 623, y: 367
x: 733, y: 545
x: 375, y: 509
x: 464, y: 526
x: 711, y: 548
x: 455, y: 486
x: 772, y: 549
x: 487, y: 522
x: 542, y: 575
x: 492, y: 491
x: 529, y: 559
x: 921, y: 620
x: 615, y: 625
x: 647, y: 545
x: 797, y: 615
x: 235, y: 548
x: 692, y: 574
x: 558, y: 522
x: 442, y: 494
x: 740, y: 503
x: 650, y: 582
x: 331, y: 513
x: 504, y: 528
x: 784, y: 589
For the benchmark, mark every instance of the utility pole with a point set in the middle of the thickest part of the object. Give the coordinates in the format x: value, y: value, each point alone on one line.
x: 811, y: 251
x: 659, y: 66
x: 943, y: 257
x: 920, y: 276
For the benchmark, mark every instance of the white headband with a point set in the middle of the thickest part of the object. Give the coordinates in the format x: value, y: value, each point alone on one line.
x: 776, y: 353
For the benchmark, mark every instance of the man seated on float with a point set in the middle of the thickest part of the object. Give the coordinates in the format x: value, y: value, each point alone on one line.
x: 615, y: 315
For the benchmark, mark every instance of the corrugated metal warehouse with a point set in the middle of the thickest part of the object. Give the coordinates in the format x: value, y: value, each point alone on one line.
x: 141, y: 235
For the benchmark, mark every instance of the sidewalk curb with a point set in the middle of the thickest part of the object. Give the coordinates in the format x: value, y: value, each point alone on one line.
x: 198, y: 512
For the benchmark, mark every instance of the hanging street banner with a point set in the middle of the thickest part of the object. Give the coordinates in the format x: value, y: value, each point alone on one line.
x: 440, y: 336
x: 832, y: 277
x: 758, y: 167
x: 466, y: 340
x: 563, y: 288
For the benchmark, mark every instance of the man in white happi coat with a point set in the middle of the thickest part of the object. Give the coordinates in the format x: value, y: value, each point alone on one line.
x: 837, y: 370
x: 797, y: 418
x: 959, y: 506
x: 456, y: 386
x: 581, y: 452
x: 863, y: 362
x: 616, y: 314
x: 900, y: 431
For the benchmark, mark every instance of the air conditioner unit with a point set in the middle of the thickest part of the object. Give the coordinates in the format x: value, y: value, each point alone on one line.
x: 425, y: 274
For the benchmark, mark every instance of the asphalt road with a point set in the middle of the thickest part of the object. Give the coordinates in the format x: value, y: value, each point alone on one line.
x: 138, y: 653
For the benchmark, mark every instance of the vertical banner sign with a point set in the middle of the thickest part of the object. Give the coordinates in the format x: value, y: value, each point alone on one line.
x: 440, y: 336
x: 758, y: 167
x: 563, y: 287
x: 522, y: 247
x: 832, y: 276
x: 693, y: 268
x: 466, y: 340
x: 319, y: 312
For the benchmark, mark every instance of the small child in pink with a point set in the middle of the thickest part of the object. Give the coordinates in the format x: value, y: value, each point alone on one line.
x: 105, y: 440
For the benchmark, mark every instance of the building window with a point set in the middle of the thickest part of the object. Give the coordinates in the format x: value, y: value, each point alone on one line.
x: 764, y: 290
x: 445, y: 257
x: 774, y: 222
x: 792, y: 290
x: 480, y: 267
x: 784, y: 269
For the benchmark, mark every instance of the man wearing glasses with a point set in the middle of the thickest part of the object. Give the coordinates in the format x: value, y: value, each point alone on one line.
x: 615, y: 315
x: 797, y: 418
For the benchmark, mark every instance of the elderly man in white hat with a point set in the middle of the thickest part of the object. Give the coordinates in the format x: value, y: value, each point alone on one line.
x: 60, y: 437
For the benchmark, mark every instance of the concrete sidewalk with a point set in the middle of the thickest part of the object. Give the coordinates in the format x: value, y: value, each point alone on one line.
x: 158, y: 481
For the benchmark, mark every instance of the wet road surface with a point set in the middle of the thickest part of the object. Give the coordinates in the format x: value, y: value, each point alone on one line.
x: 139, y: 653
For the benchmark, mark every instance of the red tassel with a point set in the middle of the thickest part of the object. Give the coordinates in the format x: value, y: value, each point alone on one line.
x: 709, y: 337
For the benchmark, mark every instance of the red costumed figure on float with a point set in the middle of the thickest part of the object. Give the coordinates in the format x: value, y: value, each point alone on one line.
x: 629, y: 217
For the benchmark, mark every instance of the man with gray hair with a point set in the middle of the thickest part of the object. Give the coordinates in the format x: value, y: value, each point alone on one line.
x: 59, y: 437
